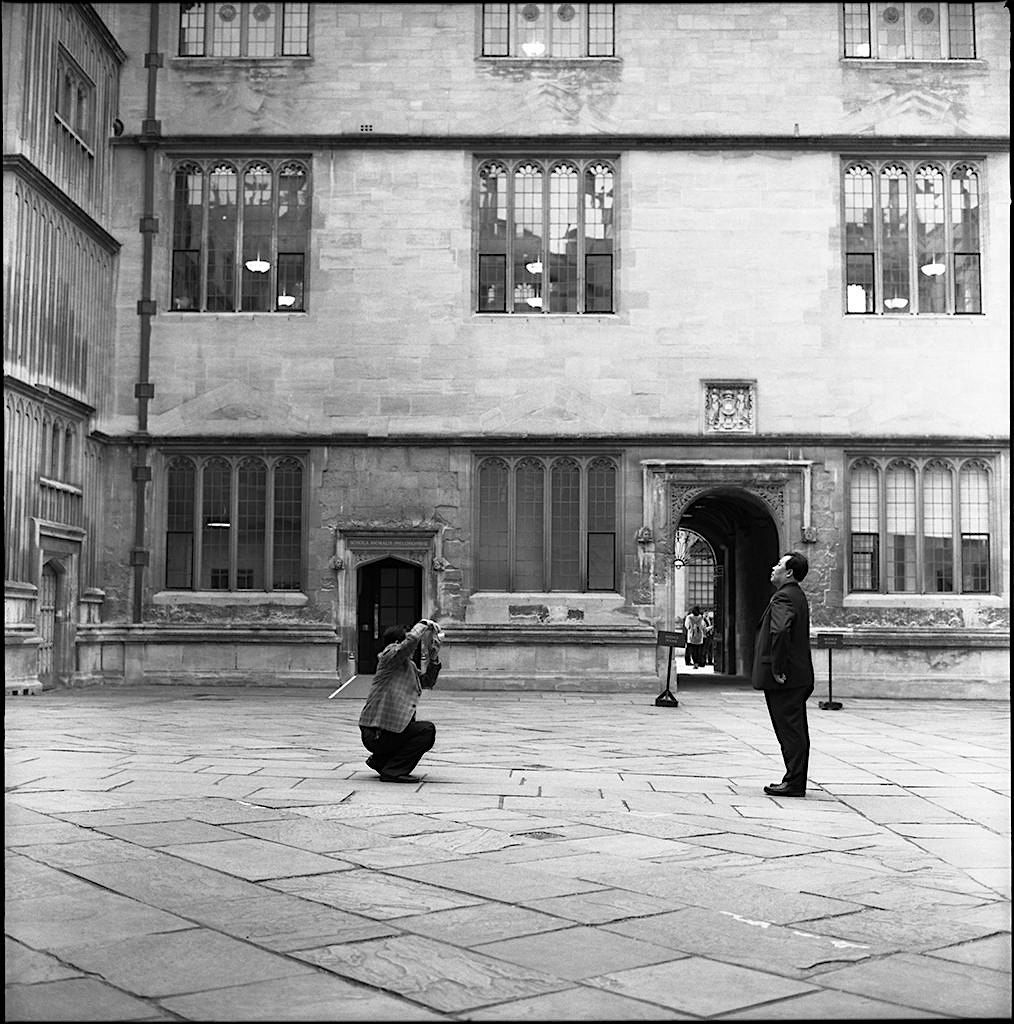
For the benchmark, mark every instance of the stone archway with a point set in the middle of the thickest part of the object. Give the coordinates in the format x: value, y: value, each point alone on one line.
x: 748, y: 510
x: 741, y: 529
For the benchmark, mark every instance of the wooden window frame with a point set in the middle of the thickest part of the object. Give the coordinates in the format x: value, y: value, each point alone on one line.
x: 244, y: 12
x: 881, y: 301
x: 547, y: 462
x: 197, y: 463
x: 513, y: 14
x: 512, y: 304
x: 274, y: 256
x: 955, y: 465
x: 871, y: 11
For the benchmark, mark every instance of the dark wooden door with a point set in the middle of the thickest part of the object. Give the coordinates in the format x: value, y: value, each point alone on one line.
x: 390, y: 594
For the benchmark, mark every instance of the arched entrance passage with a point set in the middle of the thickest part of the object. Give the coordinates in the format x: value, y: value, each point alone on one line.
x: 389, y: 593
x: 744, y: 538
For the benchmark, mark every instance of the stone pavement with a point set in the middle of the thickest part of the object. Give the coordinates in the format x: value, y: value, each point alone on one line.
x: 224, y: 854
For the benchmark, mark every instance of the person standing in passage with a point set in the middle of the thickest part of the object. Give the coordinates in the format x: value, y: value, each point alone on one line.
x: 694, y: 625
x: 783, y: 669
x: 387, y: 723
x: 709, y: 638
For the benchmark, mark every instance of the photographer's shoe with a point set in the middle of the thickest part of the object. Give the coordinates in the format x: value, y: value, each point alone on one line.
x: 399, y: 778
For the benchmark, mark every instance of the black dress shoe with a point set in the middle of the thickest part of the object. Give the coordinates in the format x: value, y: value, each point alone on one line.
x: 398, y: 778
x: 781, y: 789
x: 371, y: 762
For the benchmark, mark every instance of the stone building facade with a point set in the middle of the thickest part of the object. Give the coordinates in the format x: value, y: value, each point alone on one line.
x: 494, y: 313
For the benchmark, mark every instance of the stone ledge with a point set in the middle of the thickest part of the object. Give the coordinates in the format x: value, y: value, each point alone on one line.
x: 474, y: 633
x: 206, y: 633
x: 915, y: 636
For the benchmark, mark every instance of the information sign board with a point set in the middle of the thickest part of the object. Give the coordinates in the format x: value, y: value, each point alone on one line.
x: 669, y: 638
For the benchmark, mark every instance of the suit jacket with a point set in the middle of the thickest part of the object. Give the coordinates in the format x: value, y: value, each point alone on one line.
x: 783, y: 641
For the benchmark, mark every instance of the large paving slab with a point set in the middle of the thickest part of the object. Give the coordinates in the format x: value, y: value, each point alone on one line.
x: 226, y: 855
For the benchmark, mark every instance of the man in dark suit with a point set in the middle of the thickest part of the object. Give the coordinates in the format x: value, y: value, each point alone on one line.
x: 783, y: 669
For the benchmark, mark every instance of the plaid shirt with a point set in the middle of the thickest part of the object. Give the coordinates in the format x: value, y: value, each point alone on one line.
x: 393, y: 697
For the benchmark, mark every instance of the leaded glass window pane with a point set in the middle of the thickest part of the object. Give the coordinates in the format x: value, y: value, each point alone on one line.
x: 529, y: 272
x: 216, y: 514
x: 938, y: 529
x: 894, y: 233
x: 975, y: 530
x: 857, y: 30
x: 179, y: 553
x: 864, y: 499
x: 901, y: 550
x: 598, y: 238
x: 961, y: 30
x: 602, y: 525
x: 221, y: 247
x: 258, y: 223
x: 227, y: 31
x: 965, y: 228
x: 532, y: 30
x: 287, y: 540
x: 192, y: 21
x: 563, y: 239
x: 864, y: 511
x: 495, y: 30
x: 600, y: 30
x: 931, y: 240
x: 926, y: 32
x: 295, y: 30
x: 491, y: 568
x: 251, y: 524
x: 860, y: 283
x: 565, y: 528
x: 891, y: 32
x: 188, y: 232
x: 261, y: 30
x: 568, y: 37
x: 530, y: 499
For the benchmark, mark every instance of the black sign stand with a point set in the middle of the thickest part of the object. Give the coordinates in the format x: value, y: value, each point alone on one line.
x: 830, y: 641
x: 667, y: 699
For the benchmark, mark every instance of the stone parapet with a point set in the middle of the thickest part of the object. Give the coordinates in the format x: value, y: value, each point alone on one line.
x: 239, y: 654
x: 577, y: 658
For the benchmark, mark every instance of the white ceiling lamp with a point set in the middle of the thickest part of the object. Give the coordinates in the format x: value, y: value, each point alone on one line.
x: 933, y: 269
x: 896, y: 303
x: 286, y: 300
x: 534, y: 268
x: 257, y: 266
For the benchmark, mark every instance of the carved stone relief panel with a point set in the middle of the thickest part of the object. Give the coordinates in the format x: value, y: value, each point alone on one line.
x: 730, y: 406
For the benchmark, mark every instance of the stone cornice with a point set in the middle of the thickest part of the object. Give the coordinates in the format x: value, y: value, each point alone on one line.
x: 531, y: 442
x: 845, y: 144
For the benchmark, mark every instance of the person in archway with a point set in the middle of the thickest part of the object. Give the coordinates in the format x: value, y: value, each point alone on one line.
x: 783, y: 669
x: 694, y: 625
x: 390, y: 731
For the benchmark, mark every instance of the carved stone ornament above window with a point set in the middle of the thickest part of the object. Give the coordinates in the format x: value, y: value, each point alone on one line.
x: 730, y: 407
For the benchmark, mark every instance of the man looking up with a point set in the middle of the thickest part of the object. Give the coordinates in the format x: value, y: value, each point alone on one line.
x: 783, y: 669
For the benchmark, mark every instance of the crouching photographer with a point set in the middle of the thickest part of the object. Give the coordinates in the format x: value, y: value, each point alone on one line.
x: 390, y: 731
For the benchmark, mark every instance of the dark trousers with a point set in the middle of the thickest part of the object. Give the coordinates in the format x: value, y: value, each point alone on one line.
x: 397, y: 753
x: 787, y: 709
x: 695, y: 655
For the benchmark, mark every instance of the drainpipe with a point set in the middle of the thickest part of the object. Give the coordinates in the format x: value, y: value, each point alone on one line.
x: 144, y: 390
